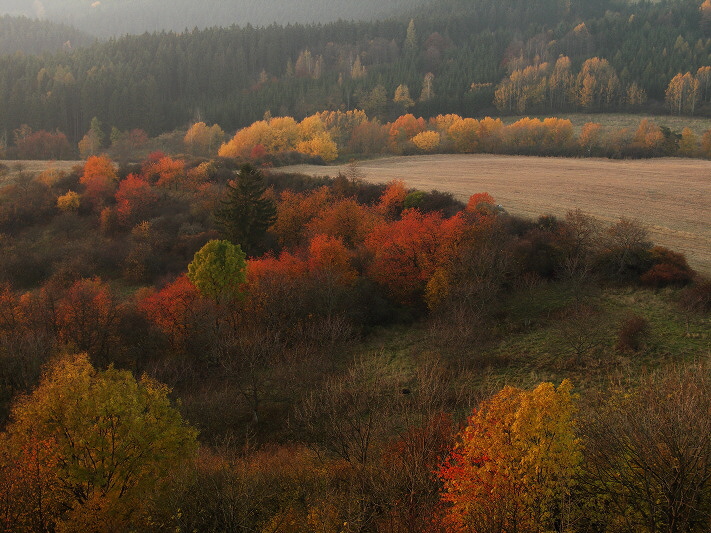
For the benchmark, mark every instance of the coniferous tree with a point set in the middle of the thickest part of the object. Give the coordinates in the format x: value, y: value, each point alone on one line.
x: 245, y: 215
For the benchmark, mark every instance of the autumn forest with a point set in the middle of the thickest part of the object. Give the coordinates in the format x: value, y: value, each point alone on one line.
x: 193, y: 338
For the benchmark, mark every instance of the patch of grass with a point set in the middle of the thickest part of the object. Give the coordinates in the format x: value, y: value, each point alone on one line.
x: 618, y: 121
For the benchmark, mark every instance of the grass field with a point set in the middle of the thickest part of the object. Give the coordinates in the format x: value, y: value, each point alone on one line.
x: 671, y: 196
x: 32, y: 167
x: 618, y: 121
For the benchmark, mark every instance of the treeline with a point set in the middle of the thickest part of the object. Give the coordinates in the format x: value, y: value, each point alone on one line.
x: 120, y: 17
x: 325, y: 135
x: 249, y: 295
x: 455, y: 62
x: 20, y: 34
x: 330, y: 135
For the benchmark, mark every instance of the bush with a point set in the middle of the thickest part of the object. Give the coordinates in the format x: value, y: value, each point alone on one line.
x: 670, y: 268
x: 629, y: 337
x: 697, y: 297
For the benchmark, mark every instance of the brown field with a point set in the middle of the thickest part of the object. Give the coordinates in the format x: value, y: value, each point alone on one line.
x: 33, y: 167
x: 671, y: 196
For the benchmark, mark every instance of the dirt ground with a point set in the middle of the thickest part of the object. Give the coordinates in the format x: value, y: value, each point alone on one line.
x: 672, y: 196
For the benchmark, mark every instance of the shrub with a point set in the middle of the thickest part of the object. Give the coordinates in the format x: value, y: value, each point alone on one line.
x: 670, y: 268
x: 697, y: 297
x: 629, y: 337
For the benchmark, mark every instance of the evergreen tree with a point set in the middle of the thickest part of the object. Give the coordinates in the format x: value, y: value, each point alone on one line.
x: 245, y: 215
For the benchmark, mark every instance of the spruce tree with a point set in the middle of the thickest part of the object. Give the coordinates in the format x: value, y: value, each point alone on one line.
x: 245, y: 214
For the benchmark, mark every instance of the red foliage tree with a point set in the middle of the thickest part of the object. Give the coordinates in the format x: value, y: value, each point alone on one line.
x: 407, y: 253
x: 44, y: 145
x: 87, y: 315
x: 177, y: 310
x: 479, y: 198
x: 134, y: 199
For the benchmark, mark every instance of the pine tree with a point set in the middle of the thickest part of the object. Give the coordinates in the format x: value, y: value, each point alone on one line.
x: 246, y: 214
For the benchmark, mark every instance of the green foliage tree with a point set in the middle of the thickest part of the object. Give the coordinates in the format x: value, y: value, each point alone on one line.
x: 218, y: 270
x: 245, y: 215
x: 93, y: 141
x: 95, y: 446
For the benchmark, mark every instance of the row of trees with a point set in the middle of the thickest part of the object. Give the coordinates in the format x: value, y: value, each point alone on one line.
x: 353, y: 133
x: 543, y: 86
x: 326, y: 136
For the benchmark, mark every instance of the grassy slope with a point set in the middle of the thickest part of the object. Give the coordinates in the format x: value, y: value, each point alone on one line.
x: 531, y: 344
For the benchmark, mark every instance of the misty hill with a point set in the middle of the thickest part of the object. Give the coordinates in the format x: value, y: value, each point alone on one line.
x: 32, y: 36
x: 118, y: 17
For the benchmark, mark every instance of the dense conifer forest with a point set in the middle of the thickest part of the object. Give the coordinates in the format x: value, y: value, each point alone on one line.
x: 471, y: 58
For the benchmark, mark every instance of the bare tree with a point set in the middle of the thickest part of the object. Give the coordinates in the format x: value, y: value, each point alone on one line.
x: 649, y: 451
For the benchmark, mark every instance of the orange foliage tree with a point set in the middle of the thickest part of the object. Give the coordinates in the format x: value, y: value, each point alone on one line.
x: 99, y: 180
x: 406, y: 253
x: 392, y: 200
x: 345, y: 219
x: 404, y: 129
x: 294, y: 211
x: 165, y: 171
x: 330, y: 261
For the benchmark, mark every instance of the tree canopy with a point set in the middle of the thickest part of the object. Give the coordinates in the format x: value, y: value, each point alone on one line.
x: 89, y: 446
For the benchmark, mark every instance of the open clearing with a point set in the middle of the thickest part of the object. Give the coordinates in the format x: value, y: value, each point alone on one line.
x: 671, y: 196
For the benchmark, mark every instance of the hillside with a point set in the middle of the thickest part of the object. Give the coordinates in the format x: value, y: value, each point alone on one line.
x: 486, y: 58
x: 311, y: 350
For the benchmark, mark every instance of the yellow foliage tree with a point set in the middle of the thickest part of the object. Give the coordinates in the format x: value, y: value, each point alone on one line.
x: 590, y: 137
x: 310, y: 127
x: 489, y: 132
x: 245, y: 140
x: 69, y: 203
x: 465, y: 135
x: 427, y: 141
x: 402, y: 97
x: 597, y: 84
x: 203, y: 139
x: 321, y: 145
x: 648, y: 136
x: 689, y: 143
x: 683, y: 93
x: 515, y: 462
x: 104, y: 442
